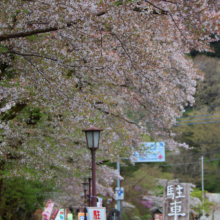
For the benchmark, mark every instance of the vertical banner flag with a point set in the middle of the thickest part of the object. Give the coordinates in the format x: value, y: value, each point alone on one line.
x: 48, y: 210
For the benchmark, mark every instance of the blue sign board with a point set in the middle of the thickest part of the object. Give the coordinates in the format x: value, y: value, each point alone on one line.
x: 119, y: 193
x: 155, y: 152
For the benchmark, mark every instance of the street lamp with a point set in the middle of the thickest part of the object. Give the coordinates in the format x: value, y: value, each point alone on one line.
x: 85, y: 186
x: 92, y: 138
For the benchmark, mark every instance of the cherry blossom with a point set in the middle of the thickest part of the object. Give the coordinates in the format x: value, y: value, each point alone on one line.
x: 119, y: 65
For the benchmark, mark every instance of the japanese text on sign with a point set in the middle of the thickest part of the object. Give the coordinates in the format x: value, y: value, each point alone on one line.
x: 175, y: 192
x: 96, y: 215
x: 176, y: 200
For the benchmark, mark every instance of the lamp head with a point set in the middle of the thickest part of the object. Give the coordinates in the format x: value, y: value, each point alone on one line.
x: 85, y: 185
x: 92, y: 137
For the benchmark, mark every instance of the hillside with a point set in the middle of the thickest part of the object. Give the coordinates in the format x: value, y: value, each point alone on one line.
x: 199, y: 128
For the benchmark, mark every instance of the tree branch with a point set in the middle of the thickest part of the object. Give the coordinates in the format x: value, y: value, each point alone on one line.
x: 26, y: 34
x: 157, y: 7
x: 177, y: 26
x: 31, y: 55
x: 4, y: 37
x: 116, y: 116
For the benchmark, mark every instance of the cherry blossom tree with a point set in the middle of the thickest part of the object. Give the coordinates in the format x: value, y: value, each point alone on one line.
x: 66, y: 65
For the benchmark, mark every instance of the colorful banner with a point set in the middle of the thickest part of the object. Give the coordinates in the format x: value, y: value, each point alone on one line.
x: 61, y: 214
x: 55, y: 213
x: 70, y: 216
x: 48, y: 210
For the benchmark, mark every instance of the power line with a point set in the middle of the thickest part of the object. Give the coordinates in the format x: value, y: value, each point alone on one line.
x: 179, y: 164
x: 196, y: 123
x: 191, y: 109
x: 200, y: 119
x: 217, y: 142
x: 193, y: 154
x: 195, y: 116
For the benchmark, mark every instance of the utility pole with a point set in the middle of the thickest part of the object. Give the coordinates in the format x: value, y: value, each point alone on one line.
x: 119, y: 202
x: 118, y: 185
x: 203, y: 217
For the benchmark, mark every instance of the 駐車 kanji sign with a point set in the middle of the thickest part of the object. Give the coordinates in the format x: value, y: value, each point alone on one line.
x: 176, y: 201
x: 97, y: 213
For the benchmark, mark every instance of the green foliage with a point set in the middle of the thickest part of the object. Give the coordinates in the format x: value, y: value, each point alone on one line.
x: 25, y: 11
x: 158, y: 191
x: 147, y: 138
x: 7, y: 73
x: 206, y: 206
x: 124, y: 216
x: 214, y: 45
x: 3, y: 49
x: 204, y: 136
x: 146, y: 217
x: 140, y: 183
x: 31, y: 38
x: 127, y: 169
x: 12, y: 113
x: 212, y: 174
x: 117, y: 3
x: 22, y: 195
x: 22, y: 112
x: 208, y: 91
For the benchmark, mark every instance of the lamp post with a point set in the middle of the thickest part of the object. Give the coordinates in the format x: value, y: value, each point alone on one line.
x: 92, y: 138
x: 89, y: 178
x: 108, y: 202
x: 85, y: 186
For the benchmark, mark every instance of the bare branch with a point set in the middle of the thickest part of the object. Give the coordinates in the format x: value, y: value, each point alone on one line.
x: 177, y: 26
x: 157, y: 6
x: 116, y: 116
x: 4, y: 37
x: 31, y: 55
x: 100, y: 13
x: 26, y: 34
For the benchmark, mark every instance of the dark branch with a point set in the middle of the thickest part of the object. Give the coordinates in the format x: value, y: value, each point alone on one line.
x: 31, y: 55
x: 26, y: 34
x: 157, y: 7
x: 100, y: 13
x: 177, y: 26
x: 4, y: 37
x: 116, y: 116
